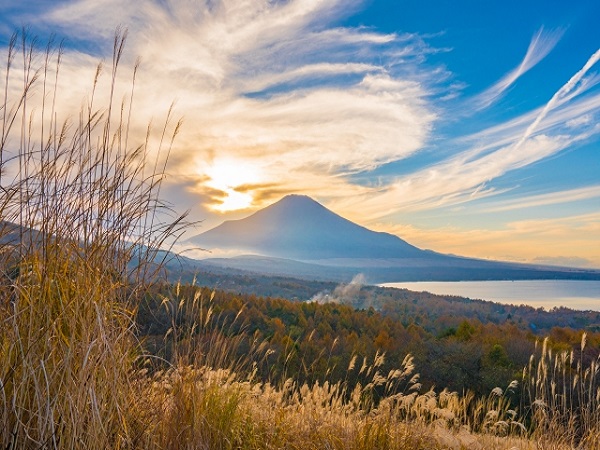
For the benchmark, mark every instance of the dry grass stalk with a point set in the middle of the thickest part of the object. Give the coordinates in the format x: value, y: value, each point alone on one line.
x: 79, y: 233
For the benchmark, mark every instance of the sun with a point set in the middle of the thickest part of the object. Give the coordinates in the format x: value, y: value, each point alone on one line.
x: 228, y: 176
x: 234, y: 201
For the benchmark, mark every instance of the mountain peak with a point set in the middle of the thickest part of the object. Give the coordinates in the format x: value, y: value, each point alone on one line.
x: 297, y: 200
x: 294, y: 205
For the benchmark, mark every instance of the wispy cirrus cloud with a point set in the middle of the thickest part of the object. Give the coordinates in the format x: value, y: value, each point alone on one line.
x: 469, y: 173
x: 540, y: 45
x: 550, y: 198
x: 573, y: 116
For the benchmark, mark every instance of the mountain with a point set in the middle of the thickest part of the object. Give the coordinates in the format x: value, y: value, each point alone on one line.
x: 301, y: 238
x: 297, y: 227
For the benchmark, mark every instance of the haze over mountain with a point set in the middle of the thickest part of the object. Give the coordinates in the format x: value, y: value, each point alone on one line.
x: 298, y: 236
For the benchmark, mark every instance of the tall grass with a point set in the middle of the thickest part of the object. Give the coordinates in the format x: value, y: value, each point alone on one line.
x: 79, y: 233
x: 81, y: 228
x: 562, y: 396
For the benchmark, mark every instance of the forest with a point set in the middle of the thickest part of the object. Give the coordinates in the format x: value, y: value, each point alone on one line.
x: 460, y: 344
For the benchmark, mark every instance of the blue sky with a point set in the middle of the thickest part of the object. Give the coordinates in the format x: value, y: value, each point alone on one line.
x: 466, y: 127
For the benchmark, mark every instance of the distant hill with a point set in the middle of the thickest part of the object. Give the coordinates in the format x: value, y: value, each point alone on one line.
x: 11, y: 234
x: 299, y: 237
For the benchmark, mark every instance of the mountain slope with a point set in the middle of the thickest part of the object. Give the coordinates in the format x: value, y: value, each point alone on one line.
x: 298, y: 227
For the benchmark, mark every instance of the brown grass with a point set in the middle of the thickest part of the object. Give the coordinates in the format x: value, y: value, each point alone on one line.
x: 68, y: 291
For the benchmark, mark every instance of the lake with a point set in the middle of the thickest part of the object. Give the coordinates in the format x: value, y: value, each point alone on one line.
x: 575, y: 294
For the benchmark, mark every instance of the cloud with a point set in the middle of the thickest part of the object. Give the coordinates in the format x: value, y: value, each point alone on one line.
x: 456, y: 180
x: 269, y: 84
x: 569, y: 117
x: 585, y: 119
x: 540, y: 45
x: 563, y: 261
x: 550, y: 198
x: 273, y: 87
x: 561, y: 94
x: 468, y: 174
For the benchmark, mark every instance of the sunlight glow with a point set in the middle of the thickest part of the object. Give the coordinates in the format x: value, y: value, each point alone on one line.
x: 232, y: 177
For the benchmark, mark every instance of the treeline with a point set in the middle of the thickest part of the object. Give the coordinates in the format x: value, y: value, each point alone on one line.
x: 438, y: 310
x: 405, y: 305
x: 459, y: 348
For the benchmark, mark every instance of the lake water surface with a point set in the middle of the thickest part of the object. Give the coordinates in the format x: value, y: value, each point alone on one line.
x: 575, y: 294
